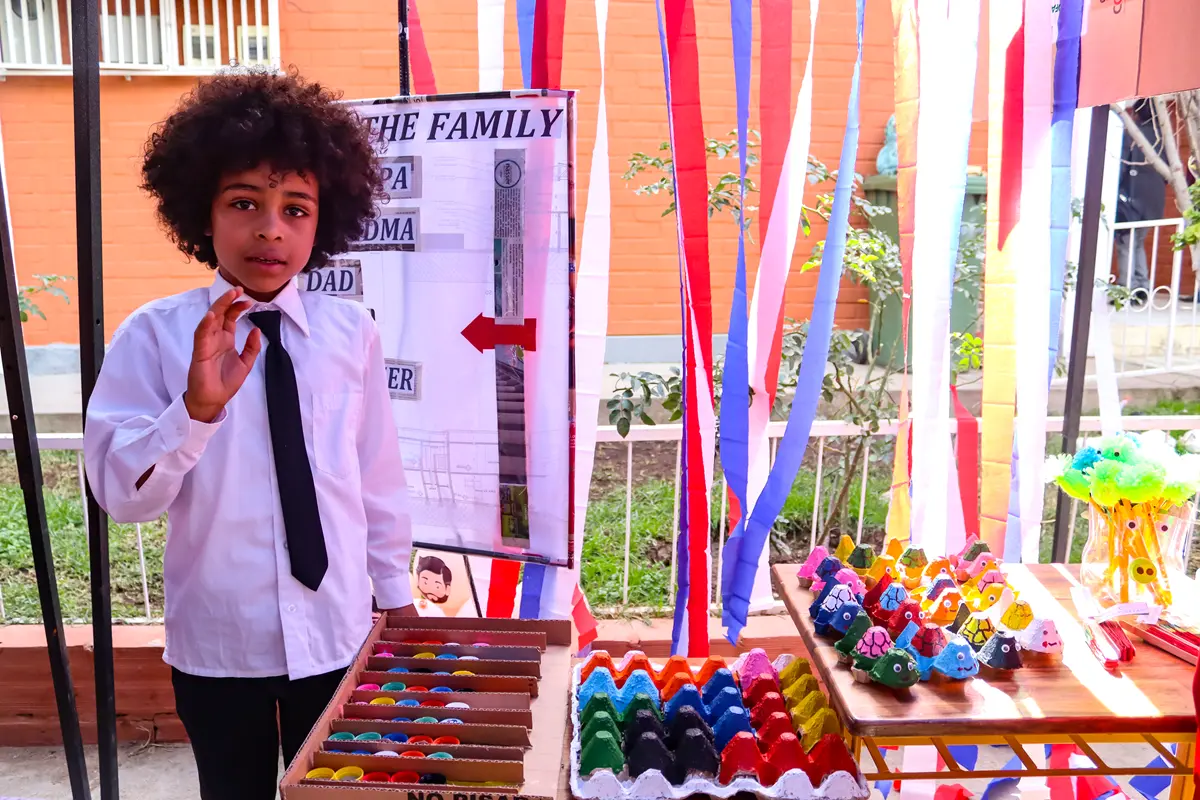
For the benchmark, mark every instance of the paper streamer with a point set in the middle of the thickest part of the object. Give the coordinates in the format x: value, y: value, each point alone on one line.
x: 677, y: 39
x: 775, y: 262
x: 1066, y: 98
x: 489, y: 17
x: 1024, y: 528
x: 948, y: 41
x: 919, y: 758
x: 418, y: 54
x: 526, y: 13
x: 967, y: 455
x: 745, y: 546
x: 591, y: 330
x: 775, y: 114
x: 1005, y: 75
x: 549, y: 22
x: 735, y: 393
x: 907, y: 82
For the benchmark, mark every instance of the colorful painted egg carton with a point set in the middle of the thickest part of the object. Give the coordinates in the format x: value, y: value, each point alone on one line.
x: 754, y: 726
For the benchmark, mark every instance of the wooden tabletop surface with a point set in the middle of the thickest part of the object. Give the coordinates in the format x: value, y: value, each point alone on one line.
x: 1151, y: 694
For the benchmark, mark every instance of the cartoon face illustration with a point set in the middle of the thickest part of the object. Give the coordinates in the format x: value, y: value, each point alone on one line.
x: 1143, y: 571
x: 909, y: 611
x: 892, y: 598
x: 1041, y: 637
x: 1001, y: 652
x: 957, y: 660
x: 1018, y: 616
x: 843, y: 618
x: 896, y: 669
x: 433, y: 579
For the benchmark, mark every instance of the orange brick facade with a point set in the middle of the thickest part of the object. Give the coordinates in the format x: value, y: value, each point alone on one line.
x: 351, y: 44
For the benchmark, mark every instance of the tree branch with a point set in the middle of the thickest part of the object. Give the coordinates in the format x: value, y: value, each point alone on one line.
x: 1144, y: 144
x: 1177, y: 177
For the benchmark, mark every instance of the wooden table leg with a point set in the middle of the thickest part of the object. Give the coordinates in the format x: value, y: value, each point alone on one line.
x: 1182, y: 788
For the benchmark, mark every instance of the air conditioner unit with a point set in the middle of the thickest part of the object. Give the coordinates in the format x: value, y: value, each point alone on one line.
x: 147, y: 32
x: 27, y: 34
x: 200, y: 46
x: 249, y: 38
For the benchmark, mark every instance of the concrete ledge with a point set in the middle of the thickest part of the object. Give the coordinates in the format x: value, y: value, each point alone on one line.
x: 146, y: 702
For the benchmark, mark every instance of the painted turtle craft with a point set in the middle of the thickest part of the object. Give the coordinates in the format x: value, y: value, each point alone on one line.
x: 990, y: 577
x: 957, y: 661
x: 823, y: 622
x: 851, y: 578
x: 839, y: 595
x: 870, y: 601
x: 960, y: 619
x: 1018, y: 616
x: 884, y: 565
x: 937, y: 568
x: 896, y: 669
x: 913, y: 558
x: 829, y: 567
x: 944, y: 610
x: 847, y: 645
x: 1000, y: 654
x: 940, y: 585
x: 926, y: 646
x: 985, y: 563
x: 826, y: 590
x: 873, y: 644
x: 893, y: 598
x: 1041, y: 638
x: 976, y: 549
x: 983, y: 598
x: 906, y: 636
x: 977, y: 630
x: 808, y: 572
x: 861, y: 559
x: 844, y: 549
x: 909, y: 611
x: 844, y: 618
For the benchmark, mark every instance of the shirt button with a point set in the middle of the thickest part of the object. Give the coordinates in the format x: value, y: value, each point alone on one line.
x: 291, y: 608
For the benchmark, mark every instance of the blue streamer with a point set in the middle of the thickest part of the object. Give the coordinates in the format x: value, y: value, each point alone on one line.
x: 735, y: 381
x: 1013, y: 764
x: 1151, y: 786
x: 533, y: 578
x: 526, y: 12
x: 749, y: 537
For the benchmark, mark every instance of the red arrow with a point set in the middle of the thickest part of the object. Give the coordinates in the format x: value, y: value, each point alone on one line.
x: 484, y: 334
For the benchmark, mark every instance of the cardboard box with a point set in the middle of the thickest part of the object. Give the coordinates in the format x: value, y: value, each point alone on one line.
x: 1137, y: 48
x: 512, y: 738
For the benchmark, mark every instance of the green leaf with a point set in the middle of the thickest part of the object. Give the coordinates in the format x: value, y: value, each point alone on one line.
x: 623, y: 426
x: 646, y: 418
x: 613, y: 417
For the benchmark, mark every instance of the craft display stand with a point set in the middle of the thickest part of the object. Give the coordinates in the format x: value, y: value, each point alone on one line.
x: 1148, y: 701
x: 513, y: 737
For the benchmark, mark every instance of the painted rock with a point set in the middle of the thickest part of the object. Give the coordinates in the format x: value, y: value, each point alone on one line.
x: 977, y: 630
x: 1041, y: 637
x: 1001, y: 653
x: 957, y: 661
x: 1018, y: 616
x: 897, y: 669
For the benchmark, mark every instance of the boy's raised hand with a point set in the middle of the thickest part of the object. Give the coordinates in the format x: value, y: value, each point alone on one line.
x: 218, y: 369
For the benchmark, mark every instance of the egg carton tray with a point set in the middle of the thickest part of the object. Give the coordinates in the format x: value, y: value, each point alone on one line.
x: 653, y: 785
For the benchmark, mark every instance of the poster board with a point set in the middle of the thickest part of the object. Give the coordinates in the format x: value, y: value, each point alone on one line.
x: 468, y: 269
x: 1137, y: 48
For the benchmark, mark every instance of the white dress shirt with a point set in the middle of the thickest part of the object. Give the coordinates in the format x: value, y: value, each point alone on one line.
x: 233, y: 608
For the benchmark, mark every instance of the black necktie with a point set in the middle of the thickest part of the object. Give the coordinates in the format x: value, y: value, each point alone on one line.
x: 298, y: 496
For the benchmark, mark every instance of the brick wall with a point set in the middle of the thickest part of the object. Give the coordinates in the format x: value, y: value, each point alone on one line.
x: 351, y: 44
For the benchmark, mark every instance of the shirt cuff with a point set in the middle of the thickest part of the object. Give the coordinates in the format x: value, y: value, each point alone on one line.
x: 183, y: 434
x: 393, y: 592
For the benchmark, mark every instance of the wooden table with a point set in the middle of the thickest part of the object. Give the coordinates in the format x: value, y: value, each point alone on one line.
x: 1148, y: 701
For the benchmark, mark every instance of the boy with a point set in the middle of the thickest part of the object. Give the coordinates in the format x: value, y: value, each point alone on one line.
x: 257, y: 416
x: 433, y: 579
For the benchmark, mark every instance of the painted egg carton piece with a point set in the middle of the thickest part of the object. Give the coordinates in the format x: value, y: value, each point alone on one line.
x: 653, y: 785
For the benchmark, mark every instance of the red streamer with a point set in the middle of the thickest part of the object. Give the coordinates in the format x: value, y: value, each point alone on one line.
x: 967, y: 455
x: 502, y: 591
x: 548, y: 23
x: 418, y: 54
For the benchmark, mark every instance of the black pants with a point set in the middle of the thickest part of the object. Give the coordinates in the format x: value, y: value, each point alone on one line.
x: 236, y: 724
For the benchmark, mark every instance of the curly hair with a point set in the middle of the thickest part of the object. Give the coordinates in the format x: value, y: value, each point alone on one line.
x: 241, y: 119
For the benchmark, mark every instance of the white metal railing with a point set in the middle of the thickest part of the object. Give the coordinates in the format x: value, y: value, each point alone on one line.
x: 142, y: 37
x: 1146, y: 333
x: 822, y: 431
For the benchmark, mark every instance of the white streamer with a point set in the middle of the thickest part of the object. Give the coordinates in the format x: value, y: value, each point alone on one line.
x: 490, y: 27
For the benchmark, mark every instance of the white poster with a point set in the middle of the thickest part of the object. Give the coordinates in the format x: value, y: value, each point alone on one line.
x: 468, y: 271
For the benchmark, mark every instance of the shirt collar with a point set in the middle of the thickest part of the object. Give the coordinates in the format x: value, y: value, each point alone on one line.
x: 288, y: 301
